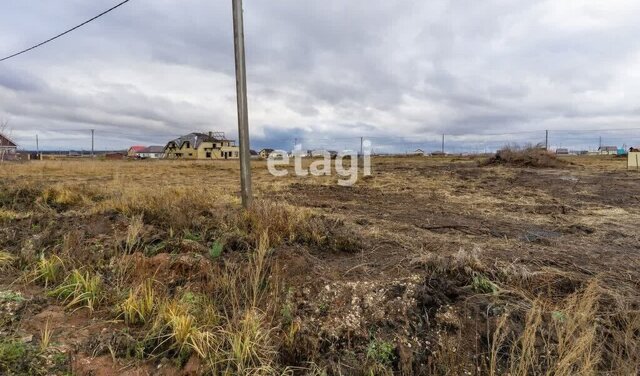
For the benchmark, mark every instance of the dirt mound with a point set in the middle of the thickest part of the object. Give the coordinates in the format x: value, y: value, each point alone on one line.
x: 532, y: 156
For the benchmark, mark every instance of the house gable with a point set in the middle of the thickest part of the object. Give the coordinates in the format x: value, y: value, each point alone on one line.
x: 6, y: 142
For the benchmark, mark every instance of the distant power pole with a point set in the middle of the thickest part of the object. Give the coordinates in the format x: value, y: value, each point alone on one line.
x: 443, y: 143
x: 37, y: 147
x: 361, y: 145
x: 92, y: 134
x: 546, y: 140
x: 600, y: 143
x: 243, y: 111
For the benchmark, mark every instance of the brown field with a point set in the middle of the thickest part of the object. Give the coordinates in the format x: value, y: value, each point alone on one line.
x: 445, y: 266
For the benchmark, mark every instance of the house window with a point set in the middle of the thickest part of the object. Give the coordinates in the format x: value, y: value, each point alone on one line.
x: 235, y: 154
x: 191, y: 154
x: 208, y: 154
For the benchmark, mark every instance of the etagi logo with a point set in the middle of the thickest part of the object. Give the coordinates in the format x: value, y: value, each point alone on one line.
x: 321, y: 163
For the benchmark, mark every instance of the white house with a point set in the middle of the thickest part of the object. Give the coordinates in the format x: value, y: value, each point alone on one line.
x: 151, y: 152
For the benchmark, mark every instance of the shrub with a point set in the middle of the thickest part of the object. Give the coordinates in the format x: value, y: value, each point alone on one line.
x: 528, y: 156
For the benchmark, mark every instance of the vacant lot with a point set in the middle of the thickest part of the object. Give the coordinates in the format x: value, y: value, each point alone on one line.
x: 429, y: 266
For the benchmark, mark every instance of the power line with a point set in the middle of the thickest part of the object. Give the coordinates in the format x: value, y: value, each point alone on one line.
x: 66, y: 32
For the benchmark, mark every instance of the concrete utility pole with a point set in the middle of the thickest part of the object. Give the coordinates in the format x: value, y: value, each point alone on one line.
x: 37, y: 147
x: 243, y: 112
x: 443, y: 144
x: 92, y: 134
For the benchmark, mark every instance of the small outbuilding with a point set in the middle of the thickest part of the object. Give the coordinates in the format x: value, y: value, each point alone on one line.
x: 633, y: 159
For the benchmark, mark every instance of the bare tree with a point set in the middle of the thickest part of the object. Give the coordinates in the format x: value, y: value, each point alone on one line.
x: 4, y: 126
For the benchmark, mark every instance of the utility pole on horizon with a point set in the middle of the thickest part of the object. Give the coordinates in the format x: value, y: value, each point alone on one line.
x: 92, y: 134
x: 546, y: 140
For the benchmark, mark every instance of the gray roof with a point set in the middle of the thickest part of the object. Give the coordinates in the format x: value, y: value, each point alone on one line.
x: 153, y: 149
x: 608, y: 148
x: 196, y: 138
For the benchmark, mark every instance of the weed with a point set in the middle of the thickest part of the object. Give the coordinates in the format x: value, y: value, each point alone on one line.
x: 381, y: 352
x: 48, y: 270
x: 287, y: 308
x: 7, y: 215
x: 193, y: 236
x: 134, y: 229
x: 11, y: 353
x: 216, y: 250
x: 6, y: 260
x: 175, y: 324
x: 11, y: 296
x: 45, y: 337
x: 80, y: 289
x: 250, y: 349
x: 483, y: 285
x: 140, y: 304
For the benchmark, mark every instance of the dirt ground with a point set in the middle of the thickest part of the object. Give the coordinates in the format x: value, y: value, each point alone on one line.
x: 395, y: 281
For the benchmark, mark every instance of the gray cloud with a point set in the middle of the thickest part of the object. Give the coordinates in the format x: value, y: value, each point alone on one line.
x: 321, y: 70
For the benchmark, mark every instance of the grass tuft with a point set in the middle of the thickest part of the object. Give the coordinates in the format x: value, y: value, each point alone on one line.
x: 6, y: 260
x: 48, y: 270
x: 139, y: 306
x: 80, y: 290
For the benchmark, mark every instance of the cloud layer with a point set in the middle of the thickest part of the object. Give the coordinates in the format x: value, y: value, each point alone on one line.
x: 325, y: 71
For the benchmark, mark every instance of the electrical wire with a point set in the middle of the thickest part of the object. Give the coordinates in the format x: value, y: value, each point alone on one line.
x: 66, y: 32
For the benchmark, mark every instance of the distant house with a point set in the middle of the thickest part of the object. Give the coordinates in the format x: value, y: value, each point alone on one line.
x: 438, y: 153
x: 213, y: 145
x: 254, y: 154
x: 7, y: 147
x: 152, y: 152
x: 562, y: 151
x: 418, y: 152
x: 134, y: 151
x: 264, y: 153
x: 608, y: 150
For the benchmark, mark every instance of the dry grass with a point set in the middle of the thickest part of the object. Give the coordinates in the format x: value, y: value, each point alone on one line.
x: 48, y: 270
x: 227, y: 309
x: 139, y: 306
x: 80, y: 290
x: 6, y: 260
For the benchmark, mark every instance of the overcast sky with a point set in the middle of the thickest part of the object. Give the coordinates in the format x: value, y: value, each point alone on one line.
x: 155, y: 69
